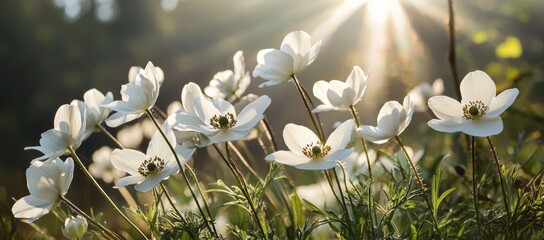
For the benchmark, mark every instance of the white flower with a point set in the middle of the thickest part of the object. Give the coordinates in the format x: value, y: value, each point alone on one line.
x: 421, y: 93
x: 131, y: 136
x: 135, y: 70
x: 392, y: 120
x: 149, y: 169
x: 137, y: 97
x: 295, y: 54
x: 230, y: 84
x: 321, y: 189
x: 68, y: 131
x: 75, y: 227
x: 217, y: 118
x: 308, y: 152
x: 356, y: 163
x: 93, y: 100
x: 478, y: 112
x: 190, y: 139
x: 102, y: 167
x: 340, y: 96
x: 46, y: 182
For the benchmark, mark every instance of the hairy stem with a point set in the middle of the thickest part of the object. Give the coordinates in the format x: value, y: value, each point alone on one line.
x: 422, y: 185
x: 504, y: 196
x: 110, y: 233
x: 452, y: 57
x: 243, y: 186
x: 474, y: 186
x: 306, y: 100
x: 370, y: 197
x: 104, y: 194
x: 182, y: 170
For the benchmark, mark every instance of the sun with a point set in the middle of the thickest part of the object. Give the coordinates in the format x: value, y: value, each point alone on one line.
x: 379, y: 10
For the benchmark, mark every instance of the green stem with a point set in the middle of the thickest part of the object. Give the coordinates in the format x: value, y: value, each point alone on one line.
x: 242, y: 184
x: 370, y: 197
x: 193, y: 174
x: 170, y: 200
x: 80, y: 212
x: 110, y: 136
x: 182, y: 170
x: 422, y: 185
x: 474, y: 186
x: 452, y: 57
x: 344, y: 206
x: 504, y: 196
x: 305, y: 99
x: 97, y: 186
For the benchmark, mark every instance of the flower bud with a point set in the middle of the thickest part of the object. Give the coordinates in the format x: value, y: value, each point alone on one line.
x: 75, y: 228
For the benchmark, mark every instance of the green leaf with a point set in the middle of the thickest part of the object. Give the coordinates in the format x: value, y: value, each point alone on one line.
x: 297, y: 209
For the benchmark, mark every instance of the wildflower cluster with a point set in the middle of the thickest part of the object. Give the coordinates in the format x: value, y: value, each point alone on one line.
x: 223, y: 118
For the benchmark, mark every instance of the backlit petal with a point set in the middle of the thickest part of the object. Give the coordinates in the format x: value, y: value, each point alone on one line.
x: 502, y: 102
x: 127, y: 160
x: 445, y: 107
x: 373, y: 134
x: 296, y: 137
x: 483, y: 127
x: 287, y: 158
x: 341, y: 136
x: 477, y: 86
x: 449, y: 125
x: 31, y: 207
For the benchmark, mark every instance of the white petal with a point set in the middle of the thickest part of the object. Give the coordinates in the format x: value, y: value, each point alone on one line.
x: 310, y: 57
x: 252, y: 114
x: 189, y: 122
x: 239, y: 64
x: 438, y: 86
x: 297, y: 44
x: 287, y: 158
x: 42, y: 180
x: 127, y: 160
x: 357, y: 81
x: 67, y: 174
x: 320, y: 90
x: 477, y: 86
x: 317, y: 165
x: 390, y: 117
x: 118, y: 118
x: 341, y: 136
x: 149, y: 182
x: 296, y: 137
x: 335, y: 94
x: 445, y: 107
x: 31, y: 207
x: 188, y: 93
x: 223, y: 106
x: 129, y: 180
x: 133, y: 72
x: 449, y: 125
x: 274, y: 65
x: 205, y: 109
x: 501, y: 102
x: 338, y: 155
x: 483, y: 127
x: 325, y: 108
x: 373, y: 134
x: 158, y: 147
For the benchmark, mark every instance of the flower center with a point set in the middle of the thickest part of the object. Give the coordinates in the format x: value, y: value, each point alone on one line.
x: 317, y: 150
x: 474, y: 110
x: 225, y: 121
x: 150, y: 166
